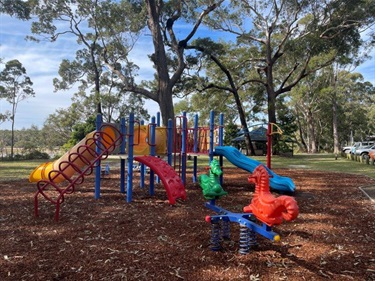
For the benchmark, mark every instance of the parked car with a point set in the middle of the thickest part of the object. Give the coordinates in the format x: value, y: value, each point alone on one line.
x: 364, y: 151
x: 351, y: 149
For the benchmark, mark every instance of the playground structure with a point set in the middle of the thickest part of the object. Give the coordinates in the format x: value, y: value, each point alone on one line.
x: 264, y: 208
x: 131, y: 141
x: 73, y: 166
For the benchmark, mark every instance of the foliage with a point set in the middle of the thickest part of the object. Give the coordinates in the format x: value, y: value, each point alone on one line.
x: 4, y: 117
x: 99, y: 90
x: 276, y: 54
x: 231, y: 131
x: 36, y: 154
x: 18, y: 8
x: 288, y: 125
x: 112, y: 29
x: 80, y: 130
x: 15, y: 86
x: 288, y: 41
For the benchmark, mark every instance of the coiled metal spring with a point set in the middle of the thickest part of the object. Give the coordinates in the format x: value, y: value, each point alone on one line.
x: 215, y: 237
x: 244, y: 245
x: 225, y: 228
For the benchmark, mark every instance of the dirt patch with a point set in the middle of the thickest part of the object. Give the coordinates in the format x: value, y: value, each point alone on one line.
x: 109, y: 239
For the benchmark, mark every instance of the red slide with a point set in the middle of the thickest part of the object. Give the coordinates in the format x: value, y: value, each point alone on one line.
x: 171, y: 181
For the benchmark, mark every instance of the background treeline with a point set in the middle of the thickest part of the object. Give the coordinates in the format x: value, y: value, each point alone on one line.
x: 291, y: 63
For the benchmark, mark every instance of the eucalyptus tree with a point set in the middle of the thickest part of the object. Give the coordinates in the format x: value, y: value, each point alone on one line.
x: 17, y: 8
x: 15, y: 87
x: 97, y: 26
x: 4, y: 117
x: 306, y: 102
x: 347, y: 107
x: 115, y: 102
x: 332, y: 101
x: 284, y: 37
x: 224, y: 84
x: 58, y: 127
x: 109, y: 29
x: 168, y: 57
x: 356, y: 97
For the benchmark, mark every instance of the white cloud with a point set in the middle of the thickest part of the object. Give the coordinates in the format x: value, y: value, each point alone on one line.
x: 42, y: 61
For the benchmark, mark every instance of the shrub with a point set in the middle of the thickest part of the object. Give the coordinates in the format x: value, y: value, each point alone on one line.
x: 36, y: 154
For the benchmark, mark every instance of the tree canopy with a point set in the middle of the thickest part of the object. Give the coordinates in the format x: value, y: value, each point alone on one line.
x: 269, y: 55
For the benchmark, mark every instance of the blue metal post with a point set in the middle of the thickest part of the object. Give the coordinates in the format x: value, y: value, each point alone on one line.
x: 195, y: 149
x: 221, y: 142
x: 122, y: 152
x: 183, y: 149
x: 130, y: 158
x: 158, y: 119
x: 98, y: 168
x: 170, y: 141
x: 152, y: 153
x: 142, y: 168
x: 158, y: 125
x: 212, y: 128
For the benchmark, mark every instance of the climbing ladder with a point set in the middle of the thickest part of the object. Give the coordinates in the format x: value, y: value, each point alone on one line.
x: 83, y: 161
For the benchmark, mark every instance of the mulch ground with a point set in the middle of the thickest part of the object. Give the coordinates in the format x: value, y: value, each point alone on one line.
x: 109, y: 239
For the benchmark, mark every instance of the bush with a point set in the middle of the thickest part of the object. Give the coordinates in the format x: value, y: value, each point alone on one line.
x: 36, y: 154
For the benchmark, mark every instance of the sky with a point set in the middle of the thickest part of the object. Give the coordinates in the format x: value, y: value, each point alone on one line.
x: 42, y: 61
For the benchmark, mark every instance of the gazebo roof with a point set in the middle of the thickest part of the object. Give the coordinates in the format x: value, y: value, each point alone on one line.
x: 259, y: 134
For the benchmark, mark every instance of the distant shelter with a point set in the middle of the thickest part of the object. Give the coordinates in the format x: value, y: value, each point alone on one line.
x: 258, y: 138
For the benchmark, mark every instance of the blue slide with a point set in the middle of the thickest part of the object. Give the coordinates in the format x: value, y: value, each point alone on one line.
x: 240, y: 160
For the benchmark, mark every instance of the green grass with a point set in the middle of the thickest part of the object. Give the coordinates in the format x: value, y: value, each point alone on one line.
x: 323, y: 162
x: 13, y: 170
x: 320, y: 162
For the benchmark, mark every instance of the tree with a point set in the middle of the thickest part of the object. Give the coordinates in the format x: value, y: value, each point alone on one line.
x: 115, y: 103
x: 285, y: 37
x: 87, y: 20
x: 16, y: 86
x: 4, y: 117
x: 18, y: 8
x: 114, y: 24
x: 168, y: 56
x: 58, y: 127
x: 80, y: 130
x: 329, y: 102
x: 354, y: 98
x: 226, y: 74
x: 30, y: 140
x: 231, y: 131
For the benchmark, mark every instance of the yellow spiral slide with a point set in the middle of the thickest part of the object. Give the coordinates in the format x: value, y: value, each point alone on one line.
x: 82, y: 150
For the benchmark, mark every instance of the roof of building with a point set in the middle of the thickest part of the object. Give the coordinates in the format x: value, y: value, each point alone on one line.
x: 259, y: 134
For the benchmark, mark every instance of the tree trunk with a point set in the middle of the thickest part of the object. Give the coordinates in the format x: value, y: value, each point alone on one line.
x: 97, y: 81
x: 165, y: 99
x: 336, y: 144
x: 312, y: 147
x: 249, y: 144
x: 13, y: 119
x: 166, y: 105
x: 272, y: 116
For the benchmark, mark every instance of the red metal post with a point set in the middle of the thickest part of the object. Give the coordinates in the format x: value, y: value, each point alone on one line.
x: 269, y: 145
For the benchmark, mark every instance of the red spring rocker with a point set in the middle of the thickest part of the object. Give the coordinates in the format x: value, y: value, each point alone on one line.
x: 266, y: 207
